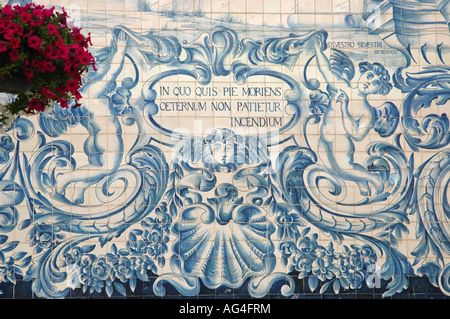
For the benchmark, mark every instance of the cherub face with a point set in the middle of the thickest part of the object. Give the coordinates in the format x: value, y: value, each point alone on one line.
x: 222, y: 151
x: 369, y: 83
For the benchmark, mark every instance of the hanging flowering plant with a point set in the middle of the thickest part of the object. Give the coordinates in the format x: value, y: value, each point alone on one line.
x: 42, y: 60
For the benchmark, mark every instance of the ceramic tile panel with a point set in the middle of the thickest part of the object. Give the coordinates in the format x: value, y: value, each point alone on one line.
x: 238, y: 149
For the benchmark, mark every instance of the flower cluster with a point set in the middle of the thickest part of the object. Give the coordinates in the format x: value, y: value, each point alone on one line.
x: 11, y: 266
x: 145, y: 247
x: 154, y: 237
x: 347, y: 269
x: 38, y: 45
x: 105, y: 272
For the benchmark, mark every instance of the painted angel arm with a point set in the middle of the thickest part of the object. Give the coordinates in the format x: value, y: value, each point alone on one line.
x: 325, y: 66
x: 357, y: 127
x: 109, y: 69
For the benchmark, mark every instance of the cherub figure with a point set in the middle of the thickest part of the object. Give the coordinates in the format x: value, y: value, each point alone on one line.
x: 104, y: 145
x: 349, y: 120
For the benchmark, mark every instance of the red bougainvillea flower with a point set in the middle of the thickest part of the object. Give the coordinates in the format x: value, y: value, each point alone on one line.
x: 7, y: 10
x: 14, y: 55
x: 73, y: 86
x: 28, y: 72
x: 78, y: 37
x: 26, y: 17
x: 85, y: 58
x: 51, y: 53
x: 37, y: 13
x: 47, y: 66
x: 9, y: 34
x: 14, y: 43
x: 3, y: 46
x: 52, y: 29
x: 61, y: 89
x: 78, y: 96
x: 3, y: 25
x: 15, y: 28
x: 43, y: 66
x: 45, y: 91
x: 36, y: 105
x: 48, y: 12
x: 34, y: 42
x: 63, y: 50
x: 63, y: 102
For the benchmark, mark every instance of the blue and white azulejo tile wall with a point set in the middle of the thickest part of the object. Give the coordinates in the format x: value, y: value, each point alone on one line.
x: 264, y: 149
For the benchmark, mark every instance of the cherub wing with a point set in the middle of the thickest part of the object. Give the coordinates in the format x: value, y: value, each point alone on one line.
x: 342, y: 65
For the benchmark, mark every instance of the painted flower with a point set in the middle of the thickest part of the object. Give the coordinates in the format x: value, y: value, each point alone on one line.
x: 287, y: 249
x: 356, y: 260
x: 85, y: 264
x: 356, y: 279
x: 42, y: 237
x: 74, y: 255
x: 343, y: 269
x: 308, y: 246
x: 323, y: 269
x: 288, y: 224
x: 100, y: 269
x: 369, y: 254
x: 7, y: 269
x: 141, y: 266
x: 123, y: 269
x: 94, y: 272
x: 137, y: 247
x: 163, y: 221
x: 157, y: 242
x: 327, y: 253
x: 304, y: 266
